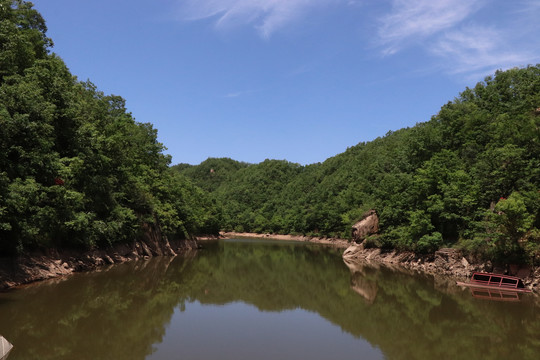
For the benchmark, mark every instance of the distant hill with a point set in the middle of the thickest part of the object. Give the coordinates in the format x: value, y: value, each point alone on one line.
x: 211, y: 173
x: 469, y: 177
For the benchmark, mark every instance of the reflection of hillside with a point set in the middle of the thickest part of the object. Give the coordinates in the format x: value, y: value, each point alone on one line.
x: 114, y: 314
x: 128, y: 307
x: 403, y: 315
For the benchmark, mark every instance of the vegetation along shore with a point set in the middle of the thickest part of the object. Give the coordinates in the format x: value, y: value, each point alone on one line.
x: 79, y: 175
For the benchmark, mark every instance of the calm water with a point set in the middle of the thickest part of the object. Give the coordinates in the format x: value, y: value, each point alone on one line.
x: 241, y: 299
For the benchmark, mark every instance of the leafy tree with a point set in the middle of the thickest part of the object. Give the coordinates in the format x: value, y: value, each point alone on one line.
x: 431, y: 184
x: 76, y: 169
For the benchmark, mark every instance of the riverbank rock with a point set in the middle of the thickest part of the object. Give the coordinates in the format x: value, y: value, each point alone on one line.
x: 353, y: 252
x: 53, y: 263
x: 369, y: 225
x: 447, y: 262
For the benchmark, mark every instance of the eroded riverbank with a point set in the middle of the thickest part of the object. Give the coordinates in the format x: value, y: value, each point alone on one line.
x: 54, y: 263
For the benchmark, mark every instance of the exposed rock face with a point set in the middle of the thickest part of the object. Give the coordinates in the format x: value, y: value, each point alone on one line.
x: 369, y: 225
x: 450, y: 262
x: 444, y: 261
x: 54, y: 263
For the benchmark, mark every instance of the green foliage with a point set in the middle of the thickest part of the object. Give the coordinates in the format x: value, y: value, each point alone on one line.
x: 431, y: 185
x: 512, y: 217
x: 211, y: 173
x: 22, y: 37
x: 76, y: 169
x: 507, y: 225
x: 429, y: 243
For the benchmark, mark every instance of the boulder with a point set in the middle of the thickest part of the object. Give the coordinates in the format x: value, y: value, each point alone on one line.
x: 353, y: 251
x: 369, y: 225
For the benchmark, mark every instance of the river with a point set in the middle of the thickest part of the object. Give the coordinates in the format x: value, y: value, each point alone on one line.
x: 263, y: 299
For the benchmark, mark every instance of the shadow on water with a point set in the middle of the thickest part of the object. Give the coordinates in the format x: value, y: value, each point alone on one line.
x: 123, y: 312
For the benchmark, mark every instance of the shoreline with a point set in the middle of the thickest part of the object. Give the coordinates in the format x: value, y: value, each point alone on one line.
x: 50, y: 264
x: 340, y: 243
x: 444, y: 262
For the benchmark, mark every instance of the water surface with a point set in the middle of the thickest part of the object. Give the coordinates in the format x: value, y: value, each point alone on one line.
x: 248, y: 299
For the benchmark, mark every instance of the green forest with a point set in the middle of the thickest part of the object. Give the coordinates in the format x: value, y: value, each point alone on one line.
x: 77, y: 170
x: 467, y: 178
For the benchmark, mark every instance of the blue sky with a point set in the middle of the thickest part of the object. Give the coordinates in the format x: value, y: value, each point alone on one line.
x: 299, y: 80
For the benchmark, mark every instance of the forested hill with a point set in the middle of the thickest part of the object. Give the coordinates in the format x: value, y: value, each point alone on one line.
x: 76, y: 169
x: 469, y: 177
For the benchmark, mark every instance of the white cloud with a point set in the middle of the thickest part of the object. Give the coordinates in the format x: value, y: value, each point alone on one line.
x: 460, y: 42
x: 412, y: 20
x: 456, y: 33
x: 479, y: 49
x: 267, y: 16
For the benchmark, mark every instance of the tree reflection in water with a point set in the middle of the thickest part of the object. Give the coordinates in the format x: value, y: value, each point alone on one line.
x: 123, y: 312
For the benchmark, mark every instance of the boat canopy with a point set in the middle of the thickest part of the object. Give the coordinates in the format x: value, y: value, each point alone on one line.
x: 503, y: 281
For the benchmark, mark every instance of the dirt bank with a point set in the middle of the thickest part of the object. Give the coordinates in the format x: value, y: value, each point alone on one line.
x: 54, y: 263
x: 341, y: 243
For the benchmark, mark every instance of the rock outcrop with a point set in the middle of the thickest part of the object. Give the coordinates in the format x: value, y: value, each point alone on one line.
x: 369, y: 225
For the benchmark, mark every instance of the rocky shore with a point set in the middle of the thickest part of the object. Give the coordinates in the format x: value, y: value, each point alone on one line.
x: 49, y: 264
x: 54, y: 263
x: 446, y: 262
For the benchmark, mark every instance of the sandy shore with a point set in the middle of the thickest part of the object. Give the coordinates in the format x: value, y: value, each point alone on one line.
x: 341, y: 243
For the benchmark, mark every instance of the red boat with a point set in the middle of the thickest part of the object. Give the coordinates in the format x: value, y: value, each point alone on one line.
x: 496, y: 281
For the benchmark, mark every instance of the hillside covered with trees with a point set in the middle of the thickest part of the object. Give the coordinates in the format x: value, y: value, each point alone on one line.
x: 76, y: 169
x: 468, y: 178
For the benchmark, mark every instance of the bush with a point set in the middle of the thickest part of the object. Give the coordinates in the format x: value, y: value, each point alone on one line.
x: 429, y: 243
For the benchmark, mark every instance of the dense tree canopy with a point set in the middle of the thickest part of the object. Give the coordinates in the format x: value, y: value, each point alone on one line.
x: 469, y: 177
x: 75, y: 168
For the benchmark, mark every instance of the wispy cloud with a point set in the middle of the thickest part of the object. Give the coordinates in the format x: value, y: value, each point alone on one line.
x: 267, y: 16
x: 461, y: 42
x: 412, y: 20
x: 479, y: 49
x: 462, y: 36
